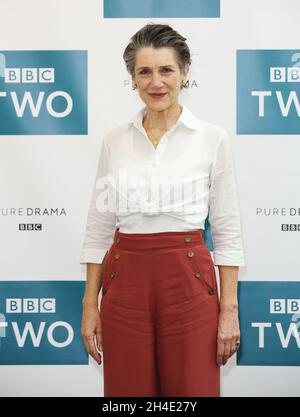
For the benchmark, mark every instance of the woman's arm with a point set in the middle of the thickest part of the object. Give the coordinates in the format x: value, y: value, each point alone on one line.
x: 224, y: 210
x: 91, y: 322
x: 228, y: 287
x: 101, y: 220
x: 224, y: 219
x: 93, y: 285
x: 228, y: 327
x: 100, y: 227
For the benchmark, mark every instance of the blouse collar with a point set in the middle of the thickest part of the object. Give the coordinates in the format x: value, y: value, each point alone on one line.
x: 186, y: 118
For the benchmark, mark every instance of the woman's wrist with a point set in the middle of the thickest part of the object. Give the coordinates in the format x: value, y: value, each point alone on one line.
x: 90, y: 301
x: 229, y: 305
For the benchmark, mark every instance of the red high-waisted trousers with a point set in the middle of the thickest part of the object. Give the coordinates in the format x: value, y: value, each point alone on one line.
x: 159, y: 315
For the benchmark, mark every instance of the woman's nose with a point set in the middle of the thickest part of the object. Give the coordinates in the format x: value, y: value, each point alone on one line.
x: 156, y: 80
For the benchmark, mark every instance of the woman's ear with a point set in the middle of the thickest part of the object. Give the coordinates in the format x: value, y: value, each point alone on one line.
x: 186, y: 70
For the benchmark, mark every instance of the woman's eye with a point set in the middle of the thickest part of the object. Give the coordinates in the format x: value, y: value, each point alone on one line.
x: 145, y: 71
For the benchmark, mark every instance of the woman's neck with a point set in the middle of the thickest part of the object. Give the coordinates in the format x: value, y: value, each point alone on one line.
x: 162, y: 120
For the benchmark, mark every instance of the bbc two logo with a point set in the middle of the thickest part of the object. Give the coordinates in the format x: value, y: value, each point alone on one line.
x: 270, y: 323
x: 40, y: 329
x: 268, y: 100
x: 43, y: 92
x: 160, y: 8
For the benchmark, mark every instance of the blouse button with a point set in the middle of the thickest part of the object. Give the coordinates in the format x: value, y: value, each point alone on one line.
x: 197, y: 274
x: 112, y: 274
x: 211, y: 291
x: 117, y: 256
x: 187, y: 239
x: 118, y: 240
x: 190, y: 254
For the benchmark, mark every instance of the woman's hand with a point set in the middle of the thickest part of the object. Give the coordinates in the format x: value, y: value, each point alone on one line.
x: 228, y: 334
x: 91, y: 327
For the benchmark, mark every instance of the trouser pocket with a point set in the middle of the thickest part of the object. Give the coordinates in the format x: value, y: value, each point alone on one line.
x: 112, y: 269
x: 202, y: 268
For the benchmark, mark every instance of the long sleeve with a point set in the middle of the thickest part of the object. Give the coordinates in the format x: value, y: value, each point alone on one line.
x: 224, y: 213
x: 100, y: 224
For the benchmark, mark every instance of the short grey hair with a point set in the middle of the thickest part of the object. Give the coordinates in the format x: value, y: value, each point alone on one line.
x: 157, y: 36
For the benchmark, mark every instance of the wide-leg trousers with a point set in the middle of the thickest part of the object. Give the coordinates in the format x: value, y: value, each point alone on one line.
x: 159, y: 316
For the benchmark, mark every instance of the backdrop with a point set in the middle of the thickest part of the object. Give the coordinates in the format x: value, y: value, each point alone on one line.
x: 63, y: 85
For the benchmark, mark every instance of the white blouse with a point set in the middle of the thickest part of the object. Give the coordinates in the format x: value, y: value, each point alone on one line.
x: 173, y: 187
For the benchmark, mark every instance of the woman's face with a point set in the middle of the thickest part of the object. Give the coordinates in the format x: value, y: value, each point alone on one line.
x: 157, y: 71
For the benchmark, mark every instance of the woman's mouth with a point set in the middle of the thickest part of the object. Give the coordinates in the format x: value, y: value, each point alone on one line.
x: 157, y: 95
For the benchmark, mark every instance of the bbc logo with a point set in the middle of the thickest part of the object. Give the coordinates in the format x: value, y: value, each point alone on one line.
x: 290, y: 227
x: 29, y: 75
x: 283, y: 306
x: 282, y: 74
x: 30, y: 226
x: 30, y: 305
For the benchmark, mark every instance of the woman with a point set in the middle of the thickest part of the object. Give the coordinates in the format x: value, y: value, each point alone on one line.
x: 162, y: 329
